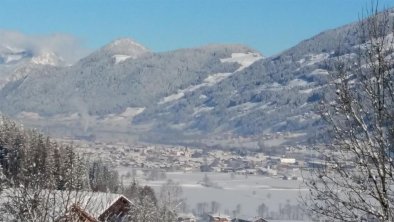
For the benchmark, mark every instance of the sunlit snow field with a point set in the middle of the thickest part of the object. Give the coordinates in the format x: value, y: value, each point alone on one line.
x: 248, y: 191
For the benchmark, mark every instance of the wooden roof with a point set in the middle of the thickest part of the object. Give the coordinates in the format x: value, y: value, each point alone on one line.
x: 118, y: 208
x: 80, y: 214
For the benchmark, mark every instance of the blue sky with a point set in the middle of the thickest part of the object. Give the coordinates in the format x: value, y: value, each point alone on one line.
x: 269, y: 26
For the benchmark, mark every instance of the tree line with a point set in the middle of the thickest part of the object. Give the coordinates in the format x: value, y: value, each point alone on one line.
x: 40, y: 179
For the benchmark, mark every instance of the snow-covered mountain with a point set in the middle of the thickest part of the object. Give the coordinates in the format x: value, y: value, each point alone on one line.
x: 210, y: 90
x: 47, y: 58
x: 21, y: 54
x: 117, y: 51
x: 275, y: 94
x: 105, y: 83
x: 16, y: 63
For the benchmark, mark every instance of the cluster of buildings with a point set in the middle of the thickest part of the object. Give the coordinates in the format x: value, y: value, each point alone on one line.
x: 171, y: 158
x: 179, y: 158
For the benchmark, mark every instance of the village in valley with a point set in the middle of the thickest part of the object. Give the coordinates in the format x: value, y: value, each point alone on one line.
x: 217, y: 171
x: 174, y: 158
x: 153, y: 164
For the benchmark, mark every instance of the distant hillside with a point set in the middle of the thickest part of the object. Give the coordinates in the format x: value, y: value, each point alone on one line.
x: 276, y: 94
x: 211, y: 90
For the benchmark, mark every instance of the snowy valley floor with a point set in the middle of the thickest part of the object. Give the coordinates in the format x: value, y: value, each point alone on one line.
x: 248, y: 192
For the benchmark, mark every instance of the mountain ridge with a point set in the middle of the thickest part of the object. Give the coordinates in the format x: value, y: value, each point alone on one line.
x: 137, y: 71
x: 210, y: 90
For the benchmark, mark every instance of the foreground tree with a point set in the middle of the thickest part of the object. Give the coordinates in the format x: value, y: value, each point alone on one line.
x: 145, y: 207
x: 355, y: 183
x: 170, y: 201
x: 102, y: 178
x: 39, y: 178
x: 42, y: 180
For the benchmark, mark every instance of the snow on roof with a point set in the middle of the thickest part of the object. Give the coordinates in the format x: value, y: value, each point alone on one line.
x: 90, y: 202
x: 114, y: 201
x: 220, y: 215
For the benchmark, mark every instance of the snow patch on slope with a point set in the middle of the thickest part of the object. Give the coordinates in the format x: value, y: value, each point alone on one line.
x: 244, y: 59
x: 127, y: 42
x: 202, y: 109
x: 209, y: 81
x: 128, y: 114
x: 173, y: 97
x: 312, y: 59
x: 215, y: 78
x: 120, y: 58
x: 319, y: 72
x: 12, y: 58
x: 121, y: 48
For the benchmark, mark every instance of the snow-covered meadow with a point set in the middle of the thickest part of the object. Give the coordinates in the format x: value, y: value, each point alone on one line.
x: 231, y: 190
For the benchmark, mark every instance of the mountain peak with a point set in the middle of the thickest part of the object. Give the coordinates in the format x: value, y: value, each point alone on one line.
x: 118, y: 50
x: 125, y: 46
x: 47, y: 58
x: 128, y: 42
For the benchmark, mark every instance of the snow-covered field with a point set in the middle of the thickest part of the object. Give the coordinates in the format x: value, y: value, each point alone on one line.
x: 247, y: 191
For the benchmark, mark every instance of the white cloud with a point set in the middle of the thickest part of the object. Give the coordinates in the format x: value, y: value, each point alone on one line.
x: 66, y: 46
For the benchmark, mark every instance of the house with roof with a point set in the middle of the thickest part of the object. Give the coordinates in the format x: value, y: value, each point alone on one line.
x: 117, y: 210
x: 76, y: 213
x: 186, y: 218
x: 114, y: 212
